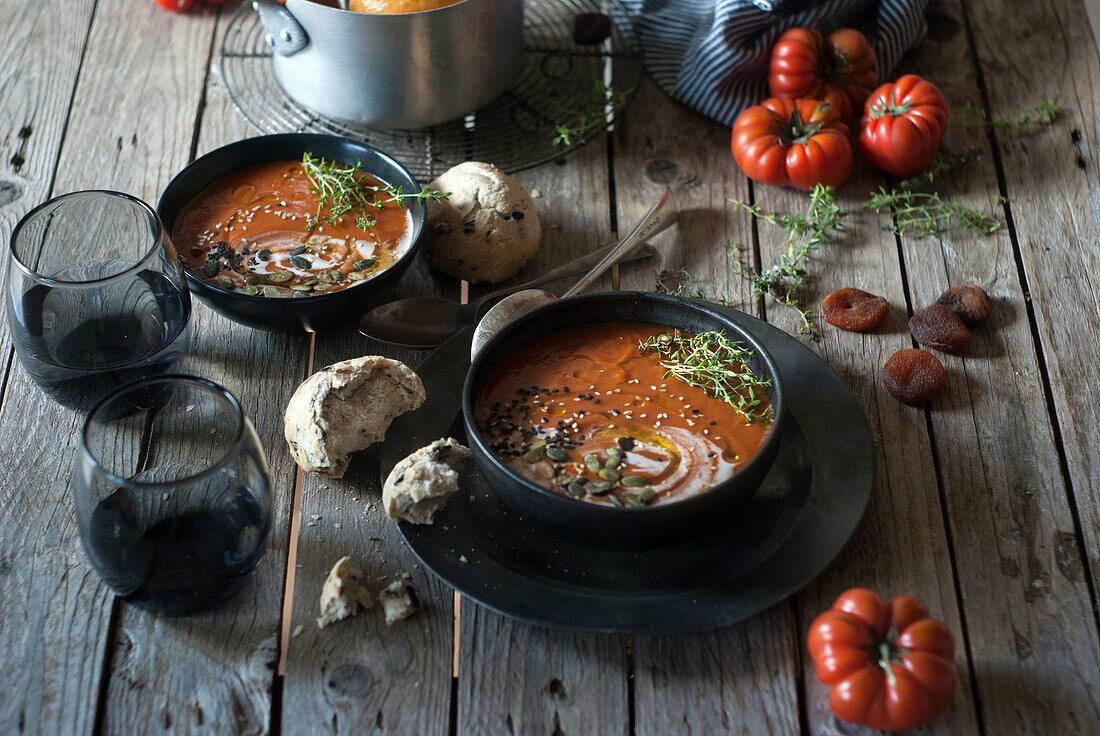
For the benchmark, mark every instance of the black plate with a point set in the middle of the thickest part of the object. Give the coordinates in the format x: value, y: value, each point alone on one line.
x: 802, y: 516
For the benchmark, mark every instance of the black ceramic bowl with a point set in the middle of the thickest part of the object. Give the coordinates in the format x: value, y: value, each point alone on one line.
x: 597, y: 523
x: 313, y: 313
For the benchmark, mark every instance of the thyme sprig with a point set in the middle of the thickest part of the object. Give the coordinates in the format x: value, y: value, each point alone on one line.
x: 342, y: 189
x: 1025, y: 121
x: 806, y: 232
x: 927, y: 213
x: 718, y: 365
x: 590, y: 116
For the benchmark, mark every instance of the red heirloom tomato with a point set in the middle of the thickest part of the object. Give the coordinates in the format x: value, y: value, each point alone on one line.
x: 889, y: 665
x: 902, y: 125
x: 838, y: 69
x: 176, y: 6
x: 796, y: 143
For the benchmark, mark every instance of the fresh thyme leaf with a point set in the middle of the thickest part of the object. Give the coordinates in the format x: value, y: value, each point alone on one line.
x: 590, y: 116
x: 342, y: 189
x: 716, y: 364
x: 927, y: 213
x: 1026, y: 121
x: 806, y: 233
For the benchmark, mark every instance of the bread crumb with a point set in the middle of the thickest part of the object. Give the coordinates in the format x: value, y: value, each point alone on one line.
x: 462, y: 559
x: 342, y: 594
x: 399, y: 600
x: 535, y: 193
x: 298, y: 630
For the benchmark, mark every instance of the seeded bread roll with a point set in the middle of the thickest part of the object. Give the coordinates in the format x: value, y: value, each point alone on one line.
x: 346, y: 408
x: 486, y: 230
x: 418, y: 485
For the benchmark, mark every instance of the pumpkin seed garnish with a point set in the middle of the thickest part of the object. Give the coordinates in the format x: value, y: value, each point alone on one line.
x: 592, y: 462
x: 535, y: 454
x: 210, y: 268
x: 301, y: 287
x: 300, y: 262
x: 633, y: 481
x: 263, y: 254
x: 252, y: 279
x: 356, y: 276
x: 250, y: 290
x: 336, y: 275
x: 362, y: 264
x: 310, y: 281
x: 557, y: 454
x: 616, y: 501
x: 317, y: 239
x: 597, y: 487
x: 271, y: 291
x: 278, y: 277
x: 322, y: 287
x: 576, y: 487
x: 632, y: 501
x: 299, y: 250
x: 610, y: 474
x: 324, y: 277
x: 224, y: 282
x: 647, y: 496
x: 302, y: 293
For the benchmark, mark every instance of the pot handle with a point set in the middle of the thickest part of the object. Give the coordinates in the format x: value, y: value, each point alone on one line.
x: 284, y: 33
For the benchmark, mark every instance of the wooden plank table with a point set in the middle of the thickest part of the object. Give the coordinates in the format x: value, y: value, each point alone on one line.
x: 986, y: 505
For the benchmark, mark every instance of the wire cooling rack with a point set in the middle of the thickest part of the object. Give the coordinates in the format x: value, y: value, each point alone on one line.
x: 515, y: 132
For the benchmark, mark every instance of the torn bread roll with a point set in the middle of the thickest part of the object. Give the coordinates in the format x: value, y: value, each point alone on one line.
x: 420, y: 484
x: 346, y: 408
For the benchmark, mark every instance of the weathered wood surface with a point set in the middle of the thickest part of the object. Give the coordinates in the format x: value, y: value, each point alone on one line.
x: 54, y: 621
x: 741, y: 679
x: 547, y: 681
x: 1054, y: 197
x: 212, y: 673
x: 986, y: 506
x: 1019, y: 566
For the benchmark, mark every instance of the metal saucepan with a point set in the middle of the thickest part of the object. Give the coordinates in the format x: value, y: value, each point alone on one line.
x: 407, y: 70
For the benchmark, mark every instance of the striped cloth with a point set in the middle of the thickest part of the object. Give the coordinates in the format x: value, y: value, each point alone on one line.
x: 713, y: 55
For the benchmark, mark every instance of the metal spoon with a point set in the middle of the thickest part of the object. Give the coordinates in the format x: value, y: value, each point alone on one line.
x: 427, y: 322
x: 510, y: 308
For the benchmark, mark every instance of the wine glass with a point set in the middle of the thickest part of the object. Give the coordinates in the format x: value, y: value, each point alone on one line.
x: 173, y: 495
x: 96, y: 296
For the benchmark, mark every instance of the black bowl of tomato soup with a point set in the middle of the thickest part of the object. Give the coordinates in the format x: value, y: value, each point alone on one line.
x: 259, y: 248
x: 624, y: 418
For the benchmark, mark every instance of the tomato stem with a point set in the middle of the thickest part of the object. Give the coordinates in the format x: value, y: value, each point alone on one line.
x: 793, y: 130
x: 891, y: 107
x: 884, y: 656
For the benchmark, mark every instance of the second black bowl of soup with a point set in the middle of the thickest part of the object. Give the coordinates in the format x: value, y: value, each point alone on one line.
x: 624, y: 418
x: 267, y: 246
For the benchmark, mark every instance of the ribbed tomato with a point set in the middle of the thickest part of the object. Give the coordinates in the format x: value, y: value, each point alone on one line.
x: 902, y: 125
x: 796, y: 143
x: 889, y: 665
x: 838, y: 68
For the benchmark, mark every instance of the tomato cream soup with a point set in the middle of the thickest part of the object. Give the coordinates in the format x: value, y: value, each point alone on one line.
x: 259, y: 231
x: 592, y: 413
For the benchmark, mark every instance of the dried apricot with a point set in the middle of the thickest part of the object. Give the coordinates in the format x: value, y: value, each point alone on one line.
x: 969, y: 301
x: 939, y: 327
x: 914, y: 376
x: 855, y: 310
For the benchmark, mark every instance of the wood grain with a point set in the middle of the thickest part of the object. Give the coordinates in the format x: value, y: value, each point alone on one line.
x: 716, y: 682
x: 904, y: 513
x: 1054, y: 193
x: 1019, y: 601
x: 55, y: 612
x: 547, y: 681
